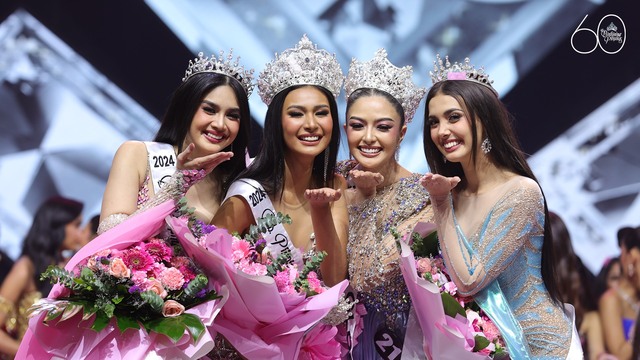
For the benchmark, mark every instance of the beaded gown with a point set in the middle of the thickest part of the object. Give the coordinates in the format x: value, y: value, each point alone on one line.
x: 373, y: 260
x: 496, y: 257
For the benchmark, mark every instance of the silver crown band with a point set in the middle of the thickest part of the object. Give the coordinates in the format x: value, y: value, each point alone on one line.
x: 221, y: 65
x: 303, y: 65
x: 465, y: 71
x: 379, y: 73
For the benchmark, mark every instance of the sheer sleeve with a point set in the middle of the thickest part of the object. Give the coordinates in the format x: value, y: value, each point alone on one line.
x: 477, y: 259
x: 173, y: 189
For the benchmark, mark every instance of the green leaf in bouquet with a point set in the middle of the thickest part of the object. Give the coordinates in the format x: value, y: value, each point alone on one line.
x: 108, y: 309
x: 451, y: 305
x: 174, y: 327
x: 313, y: 263
x: 196, y: 285
x: 425, y: 247
x: 194, y: 325
x: 117, y: 299
x: 265, y: 223
x: 126, y: 322
x: 101, y: 321
x: 56, y: 274
x: 154, y: 300
x: 481, y: 342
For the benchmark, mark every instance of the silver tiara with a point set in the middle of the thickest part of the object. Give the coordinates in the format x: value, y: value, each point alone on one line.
x: 379, y: 73
x: 465, y: 71
x: 221, y: 65
x: 303, y: 65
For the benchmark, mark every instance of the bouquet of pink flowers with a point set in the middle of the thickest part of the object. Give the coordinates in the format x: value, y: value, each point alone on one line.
x: 453, y: 327
x: 274, y: 308
x: 129, y: 293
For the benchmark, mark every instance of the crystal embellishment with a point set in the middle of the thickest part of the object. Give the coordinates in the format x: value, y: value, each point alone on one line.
x: 444, y: 70
x: 221, y: 65
x: 379, y: 73
x: 304, y: 64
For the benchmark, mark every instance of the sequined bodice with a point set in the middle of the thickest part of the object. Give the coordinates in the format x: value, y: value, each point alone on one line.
x: 372, y: 251
x: 17, y: 319
x: 143, y: 192
x: 507, y: 248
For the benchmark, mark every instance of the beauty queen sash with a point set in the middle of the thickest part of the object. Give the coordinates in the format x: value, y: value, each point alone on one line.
x: 256, y: 197
x: 162, y: 163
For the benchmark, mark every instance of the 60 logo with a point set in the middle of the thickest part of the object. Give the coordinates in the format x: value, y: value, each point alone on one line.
x: 611, y: 31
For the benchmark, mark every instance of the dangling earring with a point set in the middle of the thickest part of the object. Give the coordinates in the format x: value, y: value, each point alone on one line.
x: 486, y: 145
x: 444, y: 158
x: 326, y: 164
x: 630, y: 270
x: 397, y: 154
x: 231, y: 147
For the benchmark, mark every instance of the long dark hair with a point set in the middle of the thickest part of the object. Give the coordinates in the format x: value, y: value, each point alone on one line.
x: 43, y: 242
x: 268, y: 166
x: 183, y: 105
x: 481, y: 104
x: 570, y: 272
x: 366, y: 92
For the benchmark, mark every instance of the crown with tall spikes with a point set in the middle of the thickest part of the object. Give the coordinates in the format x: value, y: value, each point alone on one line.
x: 221, y: 65
x: 379, y: 73
x: 303, y: 65
x: 465, y: 71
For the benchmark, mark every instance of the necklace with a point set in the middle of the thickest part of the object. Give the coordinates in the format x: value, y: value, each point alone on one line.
x: 635, y: 305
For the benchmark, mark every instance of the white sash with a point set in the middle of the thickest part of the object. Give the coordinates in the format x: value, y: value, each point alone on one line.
x: 256, y: 197
x: 162, y: 162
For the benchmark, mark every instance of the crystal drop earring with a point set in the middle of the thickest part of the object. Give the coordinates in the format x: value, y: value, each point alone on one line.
x: 486, y: 145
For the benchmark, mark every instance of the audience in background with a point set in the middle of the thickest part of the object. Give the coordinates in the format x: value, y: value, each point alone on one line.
x: 56, y: 227
x: 575, y: 288
x: 619, y: 306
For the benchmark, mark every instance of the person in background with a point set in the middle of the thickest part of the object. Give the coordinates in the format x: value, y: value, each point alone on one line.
x: 56, y: 227
x: 92, y: 227
x: 206, y: 123
x: 619, y: 306
x: 575, y: 289
x: 491, y: 214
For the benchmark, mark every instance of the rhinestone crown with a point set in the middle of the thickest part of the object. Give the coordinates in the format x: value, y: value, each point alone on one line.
x: 221, y: 65
x: 465, y: 71
x: 303, y: 65
x: 379, y: 73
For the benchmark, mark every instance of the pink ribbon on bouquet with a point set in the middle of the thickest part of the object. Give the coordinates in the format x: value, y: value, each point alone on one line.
x: 74, y: 339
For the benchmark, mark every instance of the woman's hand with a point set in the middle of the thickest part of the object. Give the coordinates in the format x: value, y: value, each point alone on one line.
x: 206, y: 163
x: 437, y: 185
x: 322, y: 196
x: 366, y: 181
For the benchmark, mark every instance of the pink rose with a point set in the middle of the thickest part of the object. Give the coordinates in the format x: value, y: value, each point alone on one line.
x: 92, y: 263
x: 451, y: 287
x: 172, y: 308
x: 119, y: 269
x: 156, y: 286
x: 172, y: 278
x: 424, y: 266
